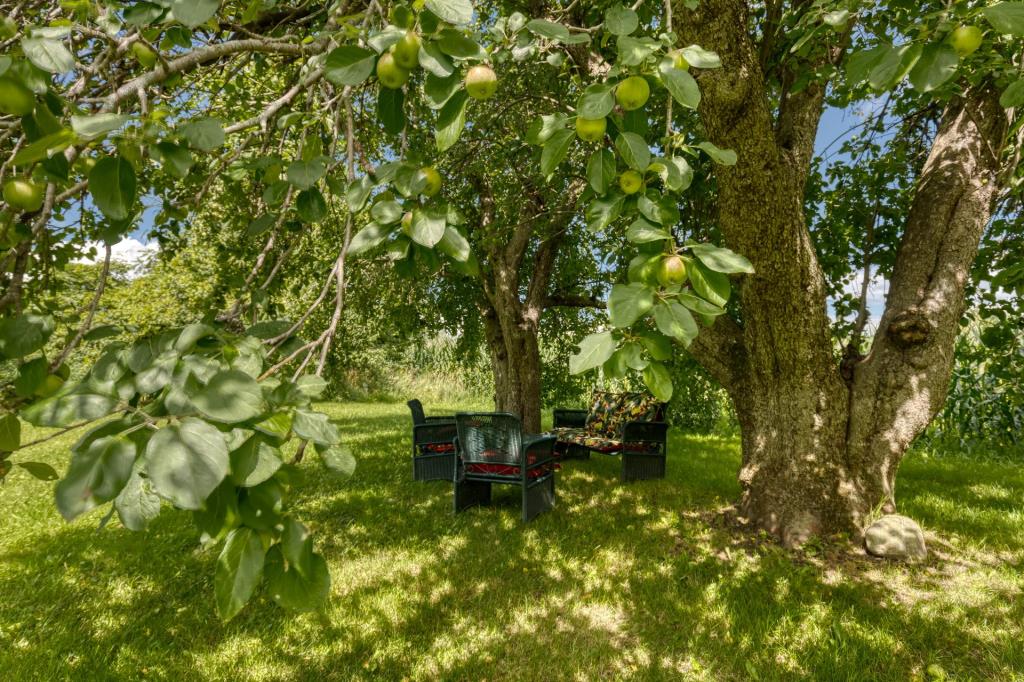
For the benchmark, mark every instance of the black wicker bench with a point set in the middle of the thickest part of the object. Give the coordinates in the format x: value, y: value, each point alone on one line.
x: 492, y: 448
x: 629, y: 425
x: 433, y: 447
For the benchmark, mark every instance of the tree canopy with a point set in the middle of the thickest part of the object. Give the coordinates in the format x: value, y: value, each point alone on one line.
x: 505, y: 159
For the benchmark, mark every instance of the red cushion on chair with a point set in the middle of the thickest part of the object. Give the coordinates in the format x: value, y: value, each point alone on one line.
x: 439, y: 447
x: 504, y: 469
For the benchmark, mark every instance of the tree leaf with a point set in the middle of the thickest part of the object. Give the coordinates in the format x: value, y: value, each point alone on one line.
x: 634, y: 151
x: 97, y: 474
x: 596, y: 102
x: 700, y: 306
x: 1006, y: 17
x: 658, y: 345
x: 726, y: 157
x: 338, y: 459
x: 541, y: 129
x: 315, y: 427
x: 627, y: 303
x: 358, y: 192
x: 710, y: 285
x: 454, y: 244
x: 305, y: 174
x: 452, y: 11
x: 230, y: 396
x: 601, y: 170
x: 49, y: 54
x: 548, y: 29
x: 937, y: 65
x: 427, y: 227
x: 10, y: 432
x: 659, y: 380
x: 602, y: 211
x: 451, y: 120
x: 45, y: 147
x: 696, y: 56
x: 137, y: 504
x: 39, y: 470
x: 21, y: 335
x: 65, y: 410
x: 1013, y: 96
x: 674, y: 320
x: 438, y: 90
x: 634, y: 51
x: 555, y: 151
x: 97, y: 125
x: 435, y: 62
x: 642, y: 232
x: 239, y: 571
x: 458, y: 45
x: 290, y: 589
x: 721, y: 259
x: 391, y: 109
x: 204, y: 134
x: 254, y: 462
x: 175, y: 159
x: 386, y: 212
x: 682, y: 86
x: 187, y: 461
x: 261, y: 224
x: 349, y: 65
x: 894, y: 64
x: 620, y: 20
x: 193, y: 12
x: 113, y: 186
x: 594, y: 350
x: 367, y: 238
x: 311, y: 205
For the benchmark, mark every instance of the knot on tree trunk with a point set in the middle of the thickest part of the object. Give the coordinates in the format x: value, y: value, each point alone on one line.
x: 910, y: 328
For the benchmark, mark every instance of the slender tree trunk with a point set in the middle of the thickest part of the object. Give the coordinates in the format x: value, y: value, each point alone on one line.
x: 820, y: 452
x: 515, y: 364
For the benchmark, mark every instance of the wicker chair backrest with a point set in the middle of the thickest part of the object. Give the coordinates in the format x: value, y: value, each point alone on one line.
x: 490, y: 437
x: 416, y: 407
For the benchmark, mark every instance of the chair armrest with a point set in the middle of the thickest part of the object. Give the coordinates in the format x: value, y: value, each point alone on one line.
x: 639, y: 432
x: 542, y: 447
x: 436, y: 432
x: 442, y: 418
x: 570, y: 418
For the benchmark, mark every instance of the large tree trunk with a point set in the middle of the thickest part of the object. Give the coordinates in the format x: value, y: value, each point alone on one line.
x: 820, y: 452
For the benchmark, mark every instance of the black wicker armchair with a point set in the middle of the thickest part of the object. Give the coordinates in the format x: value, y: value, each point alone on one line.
x: 493, y: 449
x: 630, y: 425
x: 433, y: 449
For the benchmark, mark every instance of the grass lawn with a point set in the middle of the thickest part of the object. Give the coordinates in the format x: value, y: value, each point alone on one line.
x: 633, y: 581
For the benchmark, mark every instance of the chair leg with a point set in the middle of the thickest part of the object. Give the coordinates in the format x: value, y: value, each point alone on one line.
x: 642, y: 466
x: 471, y: 493
x: 538, y: 498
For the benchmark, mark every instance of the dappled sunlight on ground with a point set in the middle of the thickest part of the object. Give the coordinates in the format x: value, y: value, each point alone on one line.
x: 619, y: 581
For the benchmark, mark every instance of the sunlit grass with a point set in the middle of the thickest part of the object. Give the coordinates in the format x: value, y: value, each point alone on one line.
x: 620, y: 581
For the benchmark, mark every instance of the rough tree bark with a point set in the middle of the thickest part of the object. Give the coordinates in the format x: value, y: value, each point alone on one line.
x: 820, y: 452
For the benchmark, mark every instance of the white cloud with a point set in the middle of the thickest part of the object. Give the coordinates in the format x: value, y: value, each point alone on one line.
x: 130, y: 251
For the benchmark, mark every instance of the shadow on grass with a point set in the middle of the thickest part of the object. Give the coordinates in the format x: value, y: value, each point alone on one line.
x: 619, y: 581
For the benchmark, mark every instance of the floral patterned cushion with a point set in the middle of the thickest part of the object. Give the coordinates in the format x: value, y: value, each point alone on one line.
x: 603, y: 405
x: 577, y: 436
x: 583, y: 437
x: 632, y: 407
